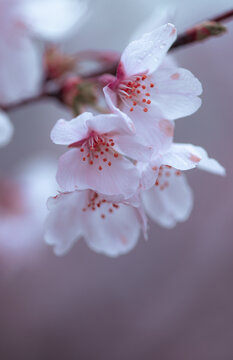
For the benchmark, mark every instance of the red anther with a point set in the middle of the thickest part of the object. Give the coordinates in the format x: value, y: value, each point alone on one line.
x: 109, y: 163
x: 116, y: 155
x: 135, y: 103
x: 144, y: 100
x: 145, y: 109
x: 157, y: 183
x: 148, y: 102
x: 143, y: 86
x: 178, y: 173
x: 107, y: 144
x: 152, y: 85
x: 115, y: 206
x: 130, y: 96
x: 84, y: 159
x: 102, y: 216
x: 100, y: 168
x: 96, y: 156
x: 91, y: 162
x: 138, y: 79
x: 93, y: 208
x: 131, y: 109
x: 104, y: 160
x: 147, y: 94
x: 144, y: 77
x: 82, y: 149
x: 88, y: 155
x: 110, y: 210
x: 106, y: 149
x: 138, y: 91
x: 101, y: 152
x: 112, y: 144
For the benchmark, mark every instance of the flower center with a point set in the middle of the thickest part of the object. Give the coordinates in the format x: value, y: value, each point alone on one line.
x: 136, y: 92
x: 95, y: 203
x: 164, y: 174
x: 98, y: 148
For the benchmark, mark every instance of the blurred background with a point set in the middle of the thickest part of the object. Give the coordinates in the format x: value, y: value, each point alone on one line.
x: 170, y: 298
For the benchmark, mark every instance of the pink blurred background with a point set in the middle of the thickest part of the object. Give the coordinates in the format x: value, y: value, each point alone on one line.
x: 170, y: 298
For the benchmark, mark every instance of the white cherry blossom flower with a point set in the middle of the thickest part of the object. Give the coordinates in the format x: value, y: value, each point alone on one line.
x: 167, y: 197
x: 147, y: 88
x: 96, y: 159
x: 108, y: 227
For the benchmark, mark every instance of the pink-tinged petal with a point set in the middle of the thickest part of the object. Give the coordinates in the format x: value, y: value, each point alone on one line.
x: 111, y: 100
x: 170, y: 205
x: 6, y: 129
x: 107, y: 174
x: 175, y: 93
x: 68, y: 132
x: 182, y: 156
x: 176, y: 106
x: 133, y: 147
x: 155, y: 131
x: 176, y: 81
x: 110, y: 123
x: 115, y: 233
x: 148, y: 173
x: 146, y: 54
x: 64, y: 224
x: 209, y: 164
x: 187, y: 156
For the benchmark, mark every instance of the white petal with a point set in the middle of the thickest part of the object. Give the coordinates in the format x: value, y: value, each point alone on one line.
x: 53, y: 19
x: 116, y: 176
x: 68, y: 132
x: 117, y: 233
x: 187, y: 156
x: 175, y: 92
x: 170, y: 205
x: 64, y: 224
x: 6, y: 129
x: 146, y: 54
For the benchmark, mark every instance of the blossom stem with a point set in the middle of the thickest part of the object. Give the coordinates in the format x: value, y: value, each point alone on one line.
x: 202, y: 31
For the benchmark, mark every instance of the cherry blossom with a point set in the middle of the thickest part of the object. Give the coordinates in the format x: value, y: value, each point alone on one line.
x: 21, y: 22
x: 168, y: 198
x: 147, y: 88
x: 111, y: 228
x: 96, y: 157
x: 6, y: 129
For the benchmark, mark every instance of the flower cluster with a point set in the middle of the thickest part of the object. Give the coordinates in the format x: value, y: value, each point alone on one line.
x: 124, y: 164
